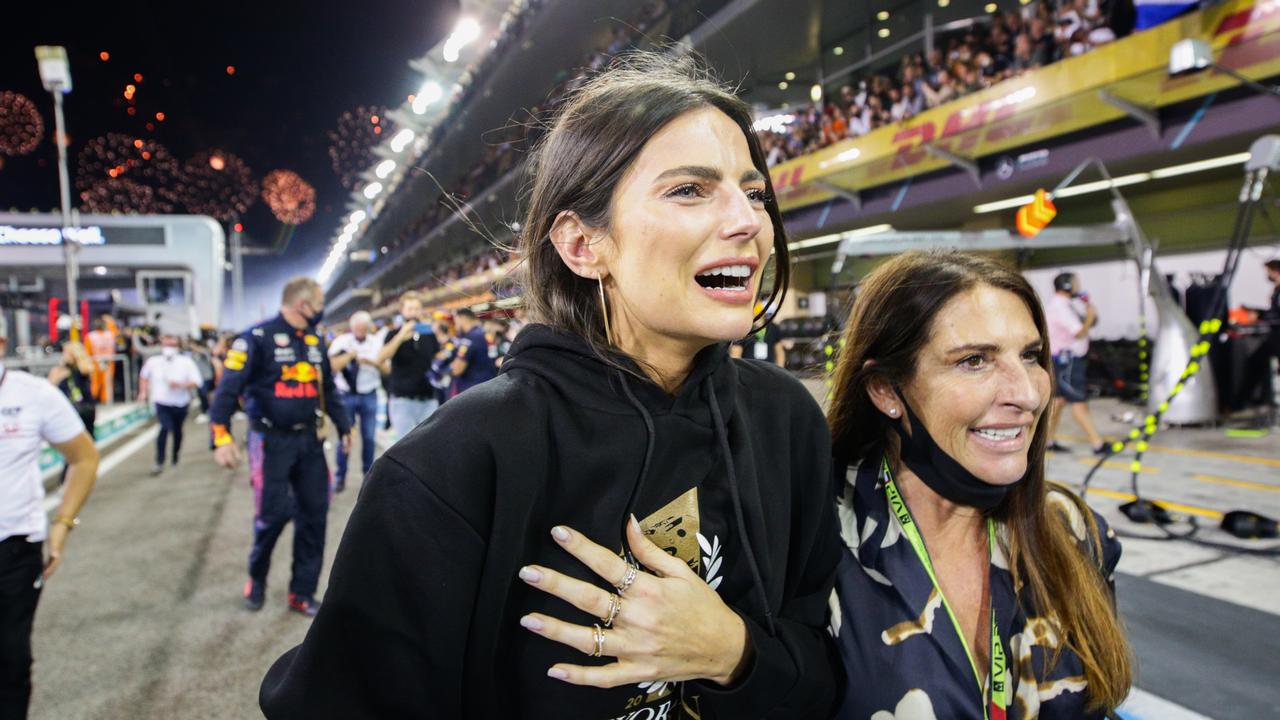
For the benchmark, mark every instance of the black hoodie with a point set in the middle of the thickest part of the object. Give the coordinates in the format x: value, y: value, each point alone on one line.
x: 733, y: 475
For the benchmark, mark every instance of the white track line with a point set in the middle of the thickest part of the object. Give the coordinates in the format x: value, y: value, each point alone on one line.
x: 1142, y: 705
x: 114, y: 458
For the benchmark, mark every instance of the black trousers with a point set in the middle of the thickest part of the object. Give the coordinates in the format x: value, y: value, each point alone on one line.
x: 290, y: 481
x: 21, y: 568
x: 171, y: 419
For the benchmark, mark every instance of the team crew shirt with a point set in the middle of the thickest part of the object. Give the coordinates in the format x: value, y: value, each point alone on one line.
x: 32, y: 412
x: 1064, y: 324
x: 159, y: 371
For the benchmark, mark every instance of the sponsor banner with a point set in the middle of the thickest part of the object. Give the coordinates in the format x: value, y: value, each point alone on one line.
x: 1048, y: 102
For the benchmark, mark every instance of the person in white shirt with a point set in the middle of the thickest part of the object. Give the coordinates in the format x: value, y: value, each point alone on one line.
x: 357, y: 371
x: 32, y: 412
x: 167, y: 380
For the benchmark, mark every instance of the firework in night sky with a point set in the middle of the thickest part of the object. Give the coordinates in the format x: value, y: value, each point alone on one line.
x: 218, y: 184
x: 121, y: 173
x: 351, y: 144
x: 21, y: 126
x: 291, y: 199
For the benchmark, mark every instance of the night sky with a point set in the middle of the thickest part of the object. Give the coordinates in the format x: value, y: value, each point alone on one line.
x: 298, y: 66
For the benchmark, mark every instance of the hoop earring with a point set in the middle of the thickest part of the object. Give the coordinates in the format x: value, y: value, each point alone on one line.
x: 604, y: 310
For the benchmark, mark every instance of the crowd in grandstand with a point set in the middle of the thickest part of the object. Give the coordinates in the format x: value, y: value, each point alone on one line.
x: 982, y: 56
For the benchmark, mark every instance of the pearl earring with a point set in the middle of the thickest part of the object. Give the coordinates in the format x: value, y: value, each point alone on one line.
x: 893, y: 412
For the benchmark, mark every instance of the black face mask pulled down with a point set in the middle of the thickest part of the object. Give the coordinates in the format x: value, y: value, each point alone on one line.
x: 942, y: 473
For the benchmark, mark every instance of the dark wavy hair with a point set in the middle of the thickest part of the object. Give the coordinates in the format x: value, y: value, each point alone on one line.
x: 596, y: 136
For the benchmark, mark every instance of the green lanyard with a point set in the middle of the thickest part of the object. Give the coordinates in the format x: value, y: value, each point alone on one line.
x: 999, y: 665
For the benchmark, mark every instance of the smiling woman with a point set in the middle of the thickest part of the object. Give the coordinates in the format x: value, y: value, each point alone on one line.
x: 601, y: 531
x: 974, y: 588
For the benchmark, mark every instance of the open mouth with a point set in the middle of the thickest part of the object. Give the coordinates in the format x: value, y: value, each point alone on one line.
x: 728, y: 277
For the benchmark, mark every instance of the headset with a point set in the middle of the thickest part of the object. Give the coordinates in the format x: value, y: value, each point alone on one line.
x: 1065, y: 282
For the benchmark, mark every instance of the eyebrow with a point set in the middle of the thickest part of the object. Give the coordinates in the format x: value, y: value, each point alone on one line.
x: 989, y: 348
x: 709, y: 174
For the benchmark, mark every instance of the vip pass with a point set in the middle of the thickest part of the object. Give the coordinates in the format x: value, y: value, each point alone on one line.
x: 995, y: 708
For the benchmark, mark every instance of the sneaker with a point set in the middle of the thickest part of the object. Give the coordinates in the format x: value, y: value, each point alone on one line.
x: 1102, y: 450
x: 255, y: 593
x: 339, y: 487
x: 304, y: 604
x: 201, y: 419
x: 157, y: 470
x: 1057, y: 447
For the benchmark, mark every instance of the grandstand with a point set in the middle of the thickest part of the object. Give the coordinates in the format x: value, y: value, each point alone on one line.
x: 913, y: 116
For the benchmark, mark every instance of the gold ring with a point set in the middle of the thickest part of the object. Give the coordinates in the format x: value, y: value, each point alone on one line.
x: 615, y: 607
x: 627, y: 579
x: 597, y: 634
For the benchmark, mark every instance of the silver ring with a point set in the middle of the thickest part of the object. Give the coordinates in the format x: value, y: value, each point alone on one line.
x: 615, y: 607
x: 597, y: 634
x: 627, y: 579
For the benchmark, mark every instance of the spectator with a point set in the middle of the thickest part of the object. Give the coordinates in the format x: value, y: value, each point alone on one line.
x: 409, y: 348
x: 357, y: 364
x: 35, y: 413
x: 167, y: 379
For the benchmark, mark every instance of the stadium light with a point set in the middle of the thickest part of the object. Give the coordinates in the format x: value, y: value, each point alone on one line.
x: 464, y: 33
x: 1191, y: 55
x: 402, y: 138
x: 384, y: 169
x: 372, y: 189
x: 1134, y: 179
x: 358, y: 216
x: 815, y: 93
x: 429, y: 93
x: 351, y: 228
x: 837, y: 237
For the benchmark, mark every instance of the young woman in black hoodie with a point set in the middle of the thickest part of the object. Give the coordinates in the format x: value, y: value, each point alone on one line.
x: 625, y: 523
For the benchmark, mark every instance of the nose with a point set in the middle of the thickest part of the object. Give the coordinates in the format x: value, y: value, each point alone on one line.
x: 1019, y: 389
x: 741, y: 218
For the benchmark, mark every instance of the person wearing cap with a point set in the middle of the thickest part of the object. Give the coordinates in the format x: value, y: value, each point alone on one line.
x: 32, y: 413
x: 281, y: 369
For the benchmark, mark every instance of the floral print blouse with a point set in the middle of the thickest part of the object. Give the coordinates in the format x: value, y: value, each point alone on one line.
x: 903, y: 658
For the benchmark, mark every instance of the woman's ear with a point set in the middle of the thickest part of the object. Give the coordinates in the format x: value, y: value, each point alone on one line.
x: 884, y: 397
x: 577, y: 246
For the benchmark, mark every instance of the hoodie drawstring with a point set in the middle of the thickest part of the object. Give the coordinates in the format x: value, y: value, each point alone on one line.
x: 649, y: 440
x: 722, y: 435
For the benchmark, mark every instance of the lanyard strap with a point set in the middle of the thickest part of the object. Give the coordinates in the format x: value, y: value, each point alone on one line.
x: 995, y: 710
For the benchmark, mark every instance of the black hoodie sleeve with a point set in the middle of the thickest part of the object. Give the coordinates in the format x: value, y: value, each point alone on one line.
x: 794, y: 673
x: 392, y: 631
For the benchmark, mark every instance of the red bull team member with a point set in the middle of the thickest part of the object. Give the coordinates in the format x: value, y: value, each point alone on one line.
x: 282, y: 370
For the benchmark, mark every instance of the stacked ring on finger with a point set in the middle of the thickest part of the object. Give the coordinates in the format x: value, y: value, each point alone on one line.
x: 597, y: 634
x: 615, y: 607
x: 627, y: 579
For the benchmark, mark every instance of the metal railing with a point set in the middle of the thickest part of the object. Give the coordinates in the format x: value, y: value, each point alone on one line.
x: 41, y: 365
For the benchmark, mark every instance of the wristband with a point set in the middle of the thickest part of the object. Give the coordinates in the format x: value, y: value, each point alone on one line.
x: 68, y: 523
x: 221, y: 436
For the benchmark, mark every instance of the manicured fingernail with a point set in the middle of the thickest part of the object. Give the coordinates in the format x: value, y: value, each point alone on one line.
x: 530, y: 575
x: 558, y: 674
x: 560, y: 533
x: 530, y: 622
x: 635, y: 524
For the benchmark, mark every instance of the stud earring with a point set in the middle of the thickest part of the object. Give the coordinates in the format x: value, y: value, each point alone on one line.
x: 893, y: 412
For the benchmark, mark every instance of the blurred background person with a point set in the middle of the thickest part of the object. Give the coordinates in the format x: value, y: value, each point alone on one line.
x: 167, y: 380
x: 1069, y: 340
x: 764, y: 344
x: 357, y: 373
x: 409, y: 348
x: 474, y: 361
x: 1258, y: 364
x: 102, y: 345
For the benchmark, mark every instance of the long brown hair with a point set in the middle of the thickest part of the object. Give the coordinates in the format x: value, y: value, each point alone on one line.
x: 597, y: 135
x: 892, y: 321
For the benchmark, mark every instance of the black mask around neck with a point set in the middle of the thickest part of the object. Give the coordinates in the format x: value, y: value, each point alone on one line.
x: 942, y: 473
